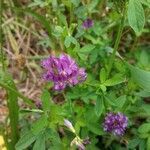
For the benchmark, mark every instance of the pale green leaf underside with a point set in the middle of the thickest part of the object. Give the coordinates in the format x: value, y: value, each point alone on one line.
x: 136, y: 16
x: 141, y: 77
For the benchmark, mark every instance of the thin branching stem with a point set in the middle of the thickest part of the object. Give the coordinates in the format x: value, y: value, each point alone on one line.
x: 118, y: 38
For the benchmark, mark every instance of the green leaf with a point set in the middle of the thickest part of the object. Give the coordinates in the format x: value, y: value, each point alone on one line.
x: 146, y: 108
x: 82, y: 10
x: 53, y: 135
x: 141, y: 77
x: 92, y: 5
x: 25, y: 141
x: 103, y: 88
x: 46, y: 100
x: 62, y: 18
x: 80, y: 123
x: 145, y: 2
x: 142, y: 145
x: 86, y: 49
x: 89, y: 116
x: 116, y: 79
x: 69, y: 40
x: 133, y: 143
x: 66, y: 2
x: 144, y: 128
x: 99, y: 107
x: 102, y: 75
x: 148, y: 143
x: 75, y: 2
x: 95, y: 128
x: 40, y: 143
x: 144, y: 58
x: 143, y: 94
x: 136, y: 16
x: 82, y: 56
x: 58, y: 31
x: 40, y: 124
x: 56, y: 115
x: 12, y: 103
x: 109, y: 101
x: 120, y: 101
x: 144, y: 135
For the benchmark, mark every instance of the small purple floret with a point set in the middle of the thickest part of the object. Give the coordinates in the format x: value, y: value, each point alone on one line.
x: 88, y: 23
x: 62, y: 71
x: 115, y: 123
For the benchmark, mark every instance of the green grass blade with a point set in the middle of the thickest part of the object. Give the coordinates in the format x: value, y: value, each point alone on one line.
x: 12, y: 103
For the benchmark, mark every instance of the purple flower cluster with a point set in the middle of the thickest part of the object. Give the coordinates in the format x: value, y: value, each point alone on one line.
x: 88, y: 23
x: 115, y: 123
x: 63, y: 71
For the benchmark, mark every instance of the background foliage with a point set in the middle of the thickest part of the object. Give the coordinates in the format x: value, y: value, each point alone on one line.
x: 114, y: 52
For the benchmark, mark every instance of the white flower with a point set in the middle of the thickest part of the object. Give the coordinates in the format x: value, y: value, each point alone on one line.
x: 68, y: 124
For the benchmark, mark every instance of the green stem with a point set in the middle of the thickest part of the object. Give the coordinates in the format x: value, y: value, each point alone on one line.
x: 8, y: 146
x: 91, y: 84
x: 27, y: 100
x: 37, y: 57
x: 70, y: 104
x: 116, y: 42
x: 1, y: 40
